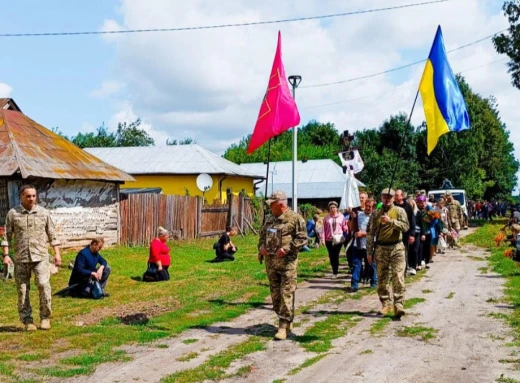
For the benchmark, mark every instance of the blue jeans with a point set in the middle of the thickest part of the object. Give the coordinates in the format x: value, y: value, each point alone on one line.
x: 358, y: 255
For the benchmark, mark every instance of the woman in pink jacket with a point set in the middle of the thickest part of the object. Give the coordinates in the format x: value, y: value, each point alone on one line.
x: 334, y: 227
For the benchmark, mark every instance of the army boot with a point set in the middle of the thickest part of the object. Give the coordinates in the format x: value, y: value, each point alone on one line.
x: 282, y: 330
x: 46, y: 324
x: 399, y: 311
x: 385, y: 310
x: 30, y: 326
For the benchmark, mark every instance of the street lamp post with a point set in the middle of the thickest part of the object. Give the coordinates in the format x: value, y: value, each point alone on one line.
x: 295, y: 81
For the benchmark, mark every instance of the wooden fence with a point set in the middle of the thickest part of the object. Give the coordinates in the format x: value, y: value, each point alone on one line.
x: 186, y: 217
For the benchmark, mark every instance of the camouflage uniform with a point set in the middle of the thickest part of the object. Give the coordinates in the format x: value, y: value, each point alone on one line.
x: 288, y: 231
x: 31, y: 231
x: 455, y: 215
x: 390, y: 253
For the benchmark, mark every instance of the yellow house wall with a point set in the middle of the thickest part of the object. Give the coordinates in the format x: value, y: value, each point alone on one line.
x: 178, y: 184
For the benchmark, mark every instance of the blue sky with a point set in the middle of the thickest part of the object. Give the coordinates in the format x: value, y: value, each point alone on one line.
x: 208, y: 85
x: 52, y: 76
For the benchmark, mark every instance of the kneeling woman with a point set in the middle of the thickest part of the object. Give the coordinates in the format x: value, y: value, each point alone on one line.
x: 159, y: 260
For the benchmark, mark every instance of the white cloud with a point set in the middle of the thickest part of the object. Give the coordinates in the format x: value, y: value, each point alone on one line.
x: 208, y: 84
x: 108, y: 89
x: 5, y: 90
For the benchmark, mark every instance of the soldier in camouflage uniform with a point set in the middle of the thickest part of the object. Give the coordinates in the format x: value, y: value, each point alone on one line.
x: 282, y: 236
x: 455, y: 213
x: 30, y: 227
x: 385, y: 232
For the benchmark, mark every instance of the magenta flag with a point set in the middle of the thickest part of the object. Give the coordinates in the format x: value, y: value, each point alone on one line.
x: 278, y: 111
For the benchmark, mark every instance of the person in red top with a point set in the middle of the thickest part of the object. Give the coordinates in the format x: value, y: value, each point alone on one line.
x: 159, y: 260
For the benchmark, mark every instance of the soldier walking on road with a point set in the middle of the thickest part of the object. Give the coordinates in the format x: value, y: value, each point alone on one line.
x: 282, y: 236
x: 385, y: 233
x: 30, y: 227
x: 455, y: 213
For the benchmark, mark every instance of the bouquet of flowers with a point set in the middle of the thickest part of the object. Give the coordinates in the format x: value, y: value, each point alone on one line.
x: 508, y: 253
x: 431, y: 216
x: 499, y: 238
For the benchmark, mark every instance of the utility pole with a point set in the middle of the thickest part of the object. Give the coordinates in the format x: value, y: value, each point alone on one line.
x: 295, y: 81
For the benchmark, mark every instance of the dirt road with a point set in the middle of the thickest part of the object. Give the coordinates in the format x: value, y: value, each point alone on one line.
x: 448, y: 336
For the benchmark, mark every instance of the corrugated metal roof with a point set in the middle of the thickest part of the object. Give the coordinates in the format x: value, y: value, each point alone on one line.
x: 35, y: 151
x: 315, y: 178
x: 173, y: 159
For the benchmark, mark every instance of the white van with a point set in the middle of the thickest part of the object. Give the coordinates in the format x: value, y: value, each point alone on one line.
x: 458, y: 194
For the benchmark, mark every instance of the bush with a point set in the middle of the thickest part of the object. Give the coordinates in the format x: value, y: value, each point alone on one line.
x: 307, y: 210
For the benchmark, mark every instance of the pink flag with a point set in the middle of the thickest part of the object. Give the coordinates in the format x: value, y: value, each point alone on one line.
x: 278, y: 111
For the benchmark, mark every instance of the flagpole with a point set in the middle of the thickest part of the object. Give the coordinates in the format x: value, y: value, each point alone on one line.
x: 295, y: 80
x: 396, y: 165
x: 264, y: 208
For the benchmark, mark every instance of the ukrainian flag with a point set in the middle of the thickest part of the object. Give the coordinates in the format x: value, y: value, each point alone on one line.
x: 444, y: 105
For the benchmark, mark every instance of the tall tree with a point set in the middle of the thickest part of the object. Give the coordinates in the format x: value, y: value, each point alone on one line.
x: 509, y: 43
x: 125, y: 135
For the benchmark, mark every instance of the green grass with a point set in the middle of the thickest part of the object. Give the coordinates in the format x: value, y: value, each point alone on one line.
x: 380, y: 325
x: 503, y: 379
x: 307, y: 363
x: 427, y: 291
x: 189, y: 341
x: 425, y: 333
x: 450, y: 295
x: 411, y: 302
x: 365, y: 352
x: 318, y: 338
x: 222, y: 291
x: 483, y: 237
x: 215, y: 367
x: 187, y: 357
x: 483, y: 270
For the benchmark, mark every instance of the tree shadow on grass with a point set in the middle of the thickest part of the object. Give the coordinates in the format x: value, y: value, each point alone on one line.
x: 263, y: 330
x: 320, y: 313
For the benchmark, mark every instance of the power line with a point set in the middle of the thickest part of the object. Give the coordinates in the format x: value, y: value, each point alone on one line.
x: 382, y: 94
x: 400, y: 67
x: 220, y: 26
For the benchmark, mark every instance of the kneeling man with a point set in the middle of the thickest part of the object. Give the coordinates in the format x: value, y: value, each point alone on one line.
x: 86, y: 268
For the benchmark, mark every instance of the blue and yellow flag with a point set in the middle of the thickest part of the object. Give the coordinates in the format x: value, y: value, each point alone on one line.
x: 444, y: 105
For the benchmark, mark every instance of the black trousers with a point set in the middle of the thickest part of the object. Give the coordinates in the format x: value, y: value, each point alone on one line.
x: 414, y: 258
x: 83, y: 290
x: 333, y: 251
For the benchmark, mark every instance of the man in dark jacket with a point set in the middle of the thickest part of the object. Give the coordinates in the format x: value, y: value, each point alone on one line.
x: 408, y: 236
x: 86, y: 269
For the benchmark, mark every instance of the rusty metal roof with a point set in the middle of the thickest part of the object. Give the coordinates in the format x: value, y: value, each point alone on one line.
x: 35, y: 151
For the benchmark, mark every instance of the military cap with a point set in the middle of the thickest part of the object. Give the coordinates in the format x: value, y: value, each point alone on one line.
x: 423, y: 191
x: 333, y: 203
x: 448, y: 194
x: 276, y: 196
x: 390, y: 192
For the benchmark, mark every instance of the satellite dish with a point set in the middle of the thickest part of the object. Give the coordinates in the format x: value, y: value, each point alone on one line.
x: 204, y: 182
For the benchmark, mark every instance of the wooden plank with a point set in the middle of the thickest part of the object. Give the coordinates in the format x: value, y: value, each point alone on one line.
x: 211, y: 233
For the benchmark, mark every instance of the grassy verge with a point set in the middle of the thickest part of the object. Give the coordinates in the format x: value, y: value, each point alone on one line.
x: 199, y: 294
x: 483, y: 237
x: 380, y: 325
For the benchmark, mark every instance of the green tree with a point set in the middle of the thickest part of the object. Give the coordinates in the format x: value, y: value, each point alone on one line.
x: 131, y: 135
x: 509, y: 43
x: 315, y: 141
x: 186, y: 141
x: 125, y: 135
x: 100, y: 139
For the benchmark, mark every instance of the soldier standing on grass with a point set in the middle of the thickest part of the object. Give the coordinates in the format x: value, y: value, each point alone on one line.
x: 30, y: 227
x: 385, y: 231
x: 282, y: 236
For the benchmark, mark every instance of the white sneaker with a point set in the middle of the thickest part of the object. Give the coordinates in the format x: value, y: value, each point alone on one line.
x: 412, y: 271
x: 423, y: 264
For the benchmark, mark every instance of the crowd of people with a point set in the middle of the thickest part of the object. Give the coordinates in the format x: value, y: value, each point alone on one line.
x: 382, y: 241
x: 488, y: 209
